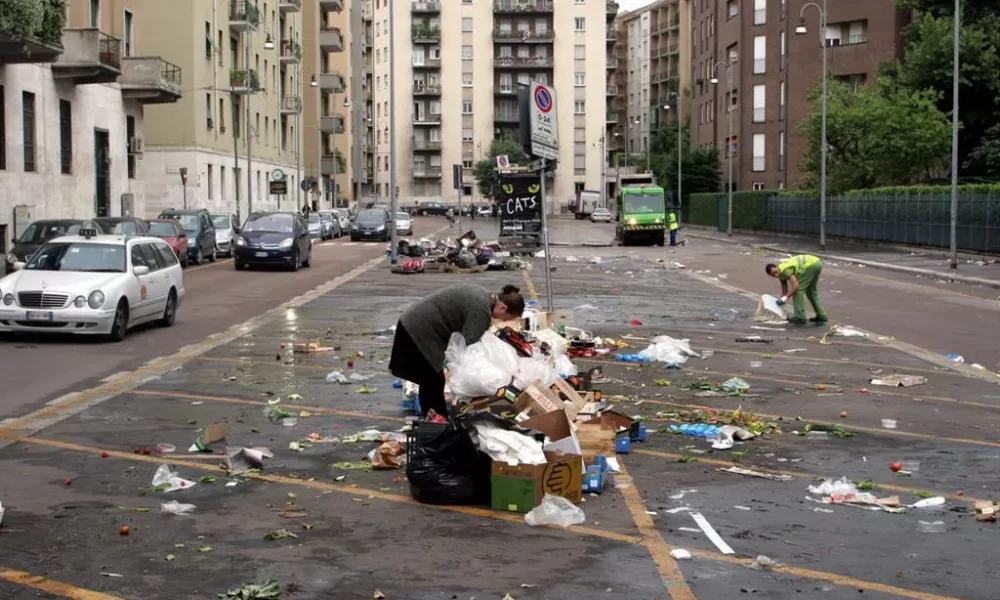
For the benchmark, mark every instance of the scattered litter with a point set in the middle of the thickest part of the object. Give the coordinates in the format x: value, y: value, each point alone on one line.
x: 165, y: 480
x: 760, y: 474
x: 843, y: 491
x: 712, y: 534
x: 736, y: 386
x: 753, y: 339
x: 2, y: 510
x: 668, y: 350
x: 899, y: 380
x: 955, y: 358
x: 353, y: 466
x: 762, y: 563
x: 115, y: 575
x: 337, y: 377
x: 279, y: 534
x: 359, y: 377
x: 555, y: 510
x: 793, y: 350
x: 213, y: 434
x: 680, y: 554
x: 931, y: 527
x: 269, y: 590
x: 822, y: 510
x: 728, y: 434
x: 389, y: 455
x: 246, y: 459
x: 741, y: 507
x: 846, y: 331
x: 888, y: 423
x: 986, y: 511
x: 166, y: 448
x: 682, y: 493
x: 176, y: 508
x: 769, y: 309
x: 507, y: 446
x: 367, y: 389
x: 310, y: 347
x: 931, y: 502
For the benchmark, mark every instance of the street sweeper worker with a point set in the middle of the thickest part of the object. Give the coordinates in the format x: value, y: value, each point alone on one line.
x: 799, y: 276
x: 424, y: 330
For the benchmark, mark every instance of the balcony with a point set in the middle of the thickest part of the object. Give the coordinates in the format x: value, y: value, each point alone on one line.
x: 426, y: 34
x: 242, y: 81
x: 368, y: 41
x: 611, y: 36
x: 291, y: 105
x: 88, y: 57
x: 27, y: 40
x: 612, y: 117
x: 525, y: 37
x: 243, y: 15
x: 427, y: 89
x: 427, y: 119
x: 332, y: 124
x: 521, y: 7
x: 332, y: 82
x: 366, y: 12
x: 504, y: 89
x: 427, y: 7
x: 333, y: 163
x: 331, y: 40
x: 289, y: 6
x: 611, y: 91
x: 420, y: 145
x: 506, y: 116
x: 612, y: 7
x: 291, y: 52
x: 519, y: 62
x: 422, y: 172
x: 150, y: 80
x: 333, y: 6
x: 427, y: 63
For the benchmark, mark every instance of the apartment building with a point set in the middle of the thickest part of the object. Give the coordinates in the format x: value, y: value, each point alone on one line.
x: 238, y: 125
x: 652, y: 69
x: 457, y: 66
x: 751, y: 46
x: 75, y: 87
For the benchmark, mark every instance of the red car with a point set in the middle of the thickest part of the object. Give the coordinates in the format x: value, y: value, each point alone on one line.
x: 169, y: 230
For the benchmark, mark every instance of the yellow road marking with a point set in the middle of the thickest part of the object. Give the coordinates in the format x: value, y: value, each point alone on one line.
x: 50, y: 586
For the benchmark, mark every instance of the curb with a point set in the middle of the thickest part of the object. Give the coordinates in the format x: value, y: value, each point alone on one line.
x: 967, y: 279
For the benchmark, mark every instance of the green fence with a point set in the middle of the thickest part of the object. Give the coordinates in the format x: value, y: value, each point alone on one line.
x: 749, y: 210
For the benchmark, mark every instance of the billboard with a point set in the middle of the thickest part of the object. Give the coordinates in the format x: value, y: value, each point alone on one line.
x: 520, y: 205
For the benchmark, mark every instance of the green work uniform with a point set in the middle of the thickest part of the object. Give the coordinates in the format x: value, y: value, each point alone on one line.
x: 806, y: 268
x: 672, y: 221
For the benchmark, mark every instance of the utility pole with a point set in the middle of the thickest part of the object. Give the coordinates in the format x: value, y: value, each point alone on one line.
x: 357, y: 94
x: 236, y: 149
x: 247, y: 41
x: 298, y: 137
x: 954, y: 136
x: 604, y: 170
x: 394, y: 202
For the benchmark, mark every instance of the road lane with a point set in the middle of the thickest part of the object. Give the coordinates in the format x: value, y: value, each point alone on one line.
x: 39, y: 369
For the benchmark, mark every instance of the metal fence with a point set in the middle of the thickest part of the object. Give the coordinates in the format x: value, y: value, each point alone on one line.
x: 912, y: 219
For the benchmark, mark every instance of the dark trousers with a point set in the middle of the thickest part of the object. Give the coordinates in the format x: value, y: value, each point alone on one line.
x: 673, y: 237
x: 407, y: 362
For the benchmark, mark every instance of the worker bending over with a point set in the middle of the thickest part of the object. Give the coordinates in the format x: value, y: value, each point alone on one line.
x: 799, y: 276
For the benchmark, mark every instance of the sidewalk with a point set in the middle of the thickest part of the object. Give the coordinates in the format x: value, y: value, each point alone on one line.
x: 972, y: 269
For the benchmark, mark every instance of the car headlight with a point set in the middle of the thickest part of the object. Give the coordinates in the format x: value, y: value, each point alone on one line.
x: 240, y: 241
x: 632, y: 221
x: 79, y: 302
x: 11, y: 259
x: 659, y: 220
x: 381, y: 228
x: 8, y: 299
x: 96, y: 299
x: 286, y: 243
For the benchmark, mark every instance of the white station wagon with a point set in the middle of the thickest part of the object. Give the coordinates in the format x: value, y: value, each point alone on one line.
x: 93, y: 284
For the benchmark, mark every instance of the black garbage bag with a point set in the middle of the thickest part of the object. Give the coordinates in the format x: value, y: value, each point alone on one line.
x: 444, y: 466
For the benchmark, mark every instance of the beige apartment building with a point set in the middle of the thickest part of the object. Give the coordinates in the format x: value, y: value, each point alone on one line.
x: 242, y: 105
x: 457, y: 67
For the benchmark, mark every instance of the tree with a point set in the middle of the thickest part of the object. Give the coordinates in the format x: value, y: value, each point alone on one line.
x: 484, y: 171
x: 879, y: 135
x: 699, y: 167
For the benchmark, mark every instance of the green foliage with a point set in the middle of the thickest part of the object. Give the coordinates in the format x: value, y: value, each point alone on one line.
x: 879, y: 135
x: 703, y: 209
x: 485, y: 170
x: 749, y: 209
x: 901, y: 190
x: 53, y: 21
x: 699, y: 167
x: 21, y: 18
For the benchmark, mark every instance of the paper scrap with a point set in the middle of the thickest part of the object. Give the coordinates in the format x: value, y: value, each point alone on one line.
x: 712, y: 534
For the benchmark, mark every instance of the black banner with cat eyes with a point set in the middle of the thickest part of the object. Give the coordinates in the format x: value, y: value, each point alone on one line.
x: 520, y: 204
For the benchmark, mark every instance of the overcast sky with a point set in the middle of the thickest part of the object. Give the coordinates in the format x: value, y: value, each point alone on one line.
x: 633, y: 4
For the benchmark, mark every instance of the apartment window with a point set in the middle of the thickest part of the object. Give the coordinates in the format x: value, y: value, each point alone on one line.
x: 211, y: 182
x: 467, y: 107
x: 466, y: 52
x: 130, y: 156
x: 28, y: 118
x: 66, y: 136
x: 759, y: 147
x: 854, y: 82
x: 580, y: 79
x: 732, y: 8
x: 267, y: 131
x: 222, y: 182
x: 758, y: 186
x: 781, y: 150
x: 127, y: 26
x: 3, y: 131
x: 466, y: 79
x: 579, y: 52
x: 759, y: 54
x: 506, y: 83
x: 95, y: 13
x: 580, y: 135
x: 208, y: 40
x: 222, y: 116
x: 851, y: 32
x: 467, y: 24
x: 781, y: 101
x: 467, y: 134
x: 579, y: 161
x: 733, y: 52
x: 580, y: 23
x: 208, y: 112
x: 579, y: 107
x: 732, y: 100
x: 759, y: 103
x: 759, y: 12
x: 218, y: 48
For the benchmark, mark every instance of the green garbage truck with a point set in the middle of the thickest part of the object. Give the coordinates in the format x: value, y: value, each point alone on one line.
x: 642, y: 217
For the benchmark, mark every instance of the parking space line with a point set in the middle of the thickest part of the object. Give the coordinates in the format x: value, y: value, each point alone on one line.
x: 49, y: 586
x: 218, y: 261
x: 819, y: 361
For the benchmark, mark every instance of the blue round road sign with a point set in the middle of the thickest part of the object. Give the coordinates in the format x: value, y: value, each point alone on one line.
x: 543, y: 99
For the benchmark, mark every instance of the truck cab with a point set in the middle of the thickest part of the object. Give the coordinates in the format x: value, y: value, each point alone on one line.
x: 642, y: 216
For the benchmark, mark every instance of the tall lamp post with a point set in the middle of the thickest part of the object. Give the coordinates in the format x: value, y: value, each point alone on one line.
x: 729, y: 141
x: 680, y: 122
x: 801, y: 29
x: 602, y: 143
x: 954, y: 136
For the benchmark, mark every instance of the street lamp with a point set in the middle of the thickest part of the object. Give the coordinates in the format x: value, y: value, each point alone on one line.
x: 604, y: 168
x: 312, y: 82
x: 680, y: 115
x: 954, y: 136
x: 269, y: 43
x: 729, y: 142
x: 801, y: 29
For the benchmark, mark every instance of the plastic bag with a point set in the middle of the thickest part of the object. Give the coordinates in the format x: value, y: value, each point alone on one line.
x: 769, y: 310
x: 176, y: 508
x: 669, y: 350
x: 531, y: 369
x: 565, y: 367
x: 480, y: 369
x: 555, y: 510
x: 165, y: 480
x: 830, y: 487
x: 445, y: 467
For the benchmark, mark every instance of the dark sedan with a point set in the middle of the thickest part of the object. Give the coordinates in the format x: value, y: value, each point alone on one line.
x: 33, y: 237
x: 273, y: 238
x: 371, y: 224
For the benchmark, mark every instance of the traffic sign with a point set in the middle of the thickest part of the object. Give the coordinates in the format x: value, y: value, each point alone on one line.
x: 544, y: 121
x: 502, y: 161
x: 277, y: 187
x: 456, y: 176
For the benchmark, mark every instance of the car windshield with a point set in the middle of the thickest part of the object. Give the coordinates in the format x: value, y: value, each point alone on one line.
x: 313, y: 218
x: 221, y: 221
x: 188, y: 222
x: 79, y: 256
x: 402, y: 215
x: 270, y: 223
x: 371, y: 216
x: 344, y: 213
x: 162, y: 229
x: 325, y: 217
x: 37, y: 232
x: 116, y: 226
x: 643, y: 203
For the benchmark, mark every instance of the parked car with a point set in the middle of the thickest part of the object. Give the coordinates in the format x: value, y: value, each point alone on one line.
x: 274, y: 238
x: 197, y: 224
x: 93, y: 284
x: 315, y: 226
x: 484, y: 211
x: 330, y: 223
x: 344, y: 214
x: 37, y: 233
x: 226, y: 228
x: 438, y: 209
x: 371, y: 224
x: 601, y: 215
x: 404, y: 223
x: 121, y: 225
x: 170, y: 232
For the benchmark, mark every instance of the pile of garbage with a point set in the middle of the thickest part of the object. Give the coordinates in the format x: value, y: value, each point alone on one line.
x: 467, y: 254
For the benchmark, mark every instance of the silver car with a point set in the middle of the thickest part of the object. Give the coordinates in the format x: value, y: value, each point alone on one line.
x: 600, y: 215
x: 315, y: 226
x: 345, y: 218
x: 404, y: 223
x: 225, y: 231
x: 331, y: 224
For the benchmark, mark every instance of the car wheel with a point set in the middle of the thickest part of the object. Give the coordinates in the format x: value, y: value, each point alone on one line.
x: 211, y: 257
x: 119, y: 329
x: 170, y: 310
x: 199, y: 258
x: 237, y: 265
x: 184, y: 263
x: 295, y: 262
x: 354, y: 239
x: 309, y: 257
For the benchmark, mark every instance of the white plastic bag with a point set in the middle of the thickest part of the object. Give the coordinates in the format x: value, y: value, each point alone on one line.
x: 532, y: 369
x: 669, y: 350
x: 556, y: 342
x: 769, y: 310
x: 165, y: 480
x: 555, y: 510
x: 565, y: 367
x: 480, y: 369
x: 176, y: 508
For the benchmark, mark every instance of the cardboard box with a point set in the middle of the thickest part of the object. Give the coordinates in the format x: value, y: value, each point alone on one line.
x: 556, y: 425
x: 521, y: 488
x: 569, y: 394
x: 596, y: 439
x: 537, y: 400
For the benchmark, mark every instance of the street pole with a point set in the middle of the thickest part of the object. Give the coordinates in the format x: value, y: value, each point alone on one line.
x: 604, y: 170
x: 359, y: 133
x: 184, y: 187
x: 248, y: 39
x: 394, y: 202
x: 333, y: 143
x: 459, y: 209
x: 823, y: 149
x: 236, y: 150
x: 298, y: 136
x: 954, y: 136
x: 680, y: 117
x: 545, y: 240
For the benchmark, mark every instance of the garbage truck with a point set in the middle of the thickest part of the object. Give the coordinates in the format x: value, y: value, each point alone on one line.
x: 642, y: 216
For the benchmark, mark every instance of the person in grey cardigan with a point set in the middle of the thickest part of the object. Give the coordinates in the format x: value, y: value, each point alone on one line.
x: 424, y: 330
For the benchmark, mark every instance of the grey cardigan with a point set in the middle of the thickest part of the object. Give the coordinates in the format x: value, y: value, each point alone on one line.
x: 462, y: 308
